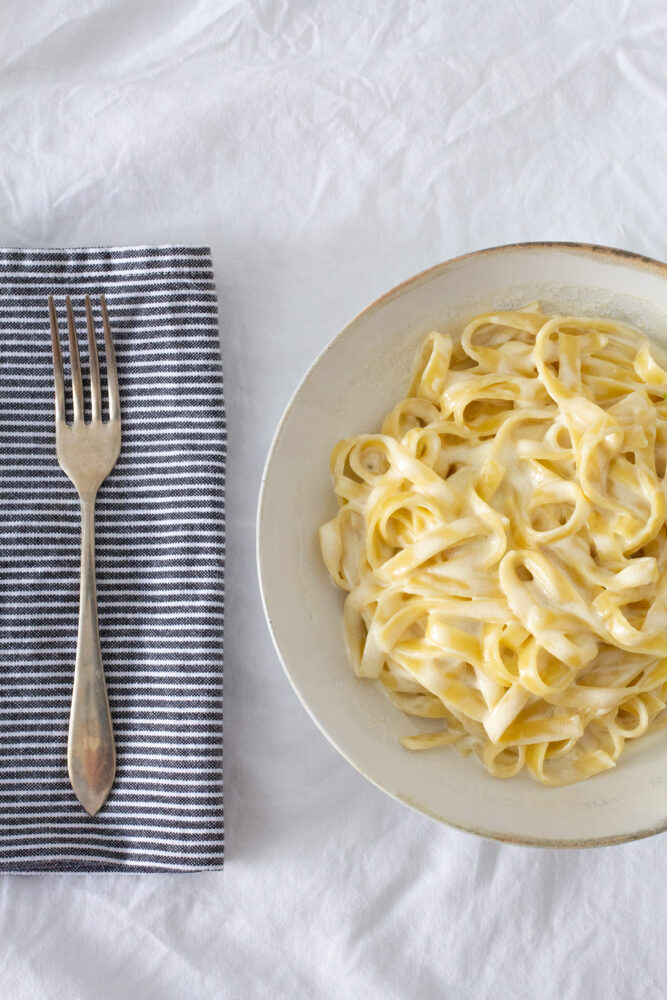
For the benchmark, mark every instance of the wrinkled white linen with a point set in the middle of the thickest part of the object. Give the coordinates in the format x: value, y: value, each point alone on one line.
x: 327, y: 151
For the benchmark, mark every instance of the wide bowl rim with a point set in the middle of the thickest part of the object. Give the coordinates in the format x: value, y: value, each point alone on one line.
x: 635, y: 260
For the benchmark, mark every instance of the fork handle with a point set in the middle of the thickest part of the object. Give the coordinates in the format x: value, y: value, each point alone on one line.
x: 91, y: 754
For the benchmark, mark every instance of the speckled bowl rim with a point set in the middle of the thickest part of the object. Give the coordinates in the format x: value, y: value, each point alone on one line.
x: 639, y: 262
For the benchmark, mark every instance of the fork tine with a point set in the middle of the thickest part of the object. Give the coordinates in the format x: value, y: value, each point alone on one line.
x: 58, y: 374
x: 95, y: 393
x: 75, y: 363
x: 112, y: 373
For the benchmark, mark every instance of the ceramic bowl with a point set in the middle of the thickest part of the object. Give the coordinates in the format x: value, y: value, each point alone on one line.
x: 351, y: 386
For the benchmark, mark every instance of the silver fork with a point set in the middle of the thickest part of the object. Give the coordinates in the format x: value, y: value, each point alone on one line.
x: 88, y: 453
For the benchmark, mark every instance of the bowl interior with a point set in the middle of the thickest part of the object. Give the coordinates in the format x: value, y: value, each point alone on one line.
x: 349, y: 389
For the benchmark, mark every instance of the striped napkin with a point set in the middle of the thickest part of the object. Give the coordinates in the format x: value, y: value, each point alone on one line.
x: 160, y: 555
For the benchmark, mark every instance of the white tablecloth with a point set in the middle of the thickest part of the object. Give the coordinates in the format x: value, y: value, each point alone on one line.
x: 327, y: 151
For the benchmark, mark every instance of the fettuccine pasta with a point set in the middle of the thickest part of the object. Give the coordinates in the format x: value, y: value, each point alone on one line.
x: 504, y: 547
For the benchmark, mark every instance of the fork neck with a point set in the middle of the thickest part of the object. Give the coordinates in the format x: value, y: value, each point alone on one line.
x: 88, y: 501
x: 87, y: 525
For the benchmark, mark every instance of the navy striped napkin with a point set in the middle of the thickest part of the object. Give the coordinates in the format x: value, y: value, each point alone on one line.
x: 160, y: 555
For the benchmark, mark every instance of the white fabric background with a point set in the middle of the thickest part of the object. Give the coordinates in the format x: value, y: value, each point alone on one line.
x: 327, y: 151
